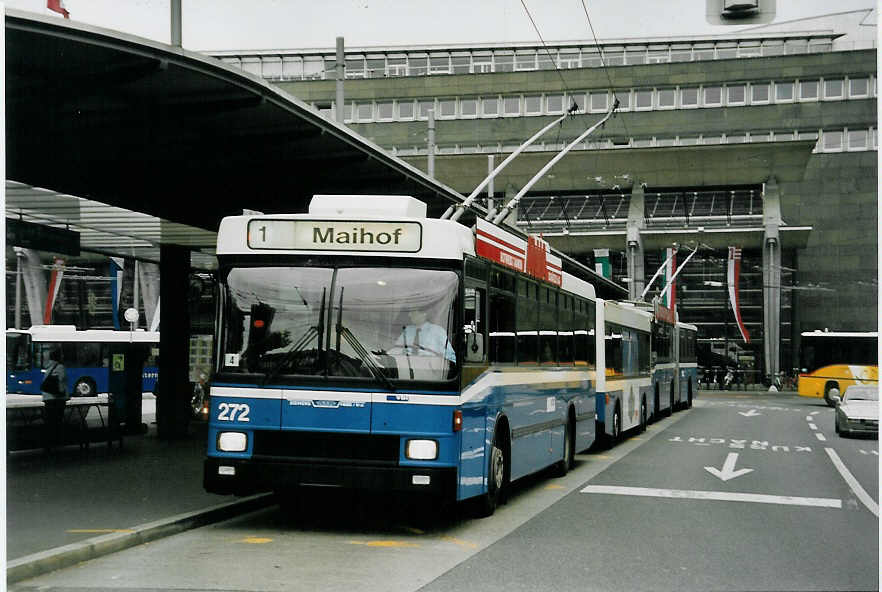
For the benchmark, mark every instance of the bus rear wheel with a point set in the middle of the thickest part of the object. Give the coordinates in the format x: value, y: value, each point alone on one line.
x: 564, y: 465
x: 85, y: 387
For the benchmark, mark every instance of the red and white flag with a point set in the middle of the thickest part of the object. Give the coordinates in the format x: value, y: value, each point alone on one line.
x: 54, y: 285
x: 58, y: 6
x: 733, y: 273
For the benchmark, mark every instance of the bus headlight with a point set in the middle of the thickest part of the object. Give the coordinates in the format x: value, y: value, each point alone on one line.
x: 232, y: 442
x: 421, y: 449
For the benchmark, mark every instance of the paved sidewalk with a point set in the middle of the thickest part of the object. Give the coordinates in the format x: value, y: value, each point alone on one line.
x: 74, y: 505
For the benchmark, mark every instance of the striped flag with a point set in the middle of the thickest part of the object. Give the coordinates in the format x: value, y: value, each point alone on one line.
x: 733, y: 273
x: 54, y: 285
x: 669, y: 295
x: 117, y: 265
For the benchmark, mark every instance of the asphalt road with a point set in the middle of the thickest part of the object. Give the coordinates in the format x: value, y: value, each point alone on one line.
x: 738, y: 493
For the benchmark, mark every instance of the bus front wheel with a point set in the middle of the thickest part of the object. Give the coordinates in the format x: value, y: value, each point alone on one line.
x: 85, y: 387
x: 496, y: 474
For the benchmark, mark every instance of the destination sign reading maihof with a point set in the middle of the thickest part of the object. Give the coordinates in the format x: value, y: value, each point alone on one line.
x: 335, y: 235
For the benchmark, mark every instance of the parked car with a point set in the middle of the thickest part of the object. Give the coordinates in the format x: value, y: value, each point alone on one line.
x: 857, y: 411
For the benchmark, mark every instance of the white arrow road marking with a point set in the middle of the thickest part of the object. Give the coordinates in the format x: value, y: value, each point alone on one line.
x: 728, y: 472
x: 751, y: 413
x: 758, y: 498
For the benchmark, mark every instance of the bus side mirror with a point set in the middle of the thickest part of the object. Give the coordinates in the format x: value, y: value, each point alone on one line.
x: 474, y: 347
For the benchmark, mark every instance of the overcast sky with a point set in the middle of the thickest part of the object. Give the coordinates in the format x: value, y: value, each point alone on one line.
x: 284, y: 24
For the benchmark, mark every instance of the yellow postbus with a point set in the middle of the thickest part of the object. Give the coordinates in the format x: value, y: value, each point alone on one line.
x: 837, y: 360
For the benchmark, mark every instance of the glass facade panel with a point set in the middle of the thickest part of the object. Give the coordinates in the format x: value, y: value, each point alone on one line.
x: 759, y: 92
x: 808, y: 89
x: 688, y: 97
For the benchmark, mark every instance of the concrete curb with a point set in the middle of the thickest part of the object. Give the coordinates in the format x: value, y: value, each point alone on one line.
x: 43, y: 562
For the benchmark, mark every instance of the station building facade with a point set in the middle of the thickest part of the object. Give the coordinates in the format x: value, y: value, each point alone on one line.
x: 762, y: 142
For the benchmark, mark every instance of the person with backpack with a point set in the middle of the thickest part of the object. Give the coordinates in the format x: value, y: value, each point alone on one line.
x: 55, y: 397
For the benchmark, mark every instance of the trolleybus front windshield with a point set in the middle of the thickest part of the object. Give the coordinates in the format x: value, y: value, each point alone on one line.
x: 380, y: 324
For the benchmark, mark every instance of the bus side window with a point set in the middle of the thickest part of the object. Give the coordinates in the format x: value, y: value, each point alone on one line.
x: 502, y: 327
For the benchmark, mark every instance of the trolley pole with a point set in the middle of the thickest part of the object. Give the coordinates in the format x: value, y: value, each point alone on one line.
x: 18, y: 256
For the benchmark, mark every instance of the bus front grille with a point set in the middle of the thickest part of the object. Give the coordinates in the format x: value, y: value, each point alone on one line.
x: 327, y: 447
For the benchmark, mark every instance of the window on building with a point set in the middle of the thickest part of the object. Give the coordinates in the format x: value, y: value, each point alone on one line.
x: 735, y: 94
x: 624, y: 97
x: 614, y: 58
x: 783, y: 136
x: 688, y: 140
x: 711, y: 140
x: 313, y: 67
x: 599, y: 101
x: 773, y: 48
x: 375, y: 67
x: 490, y: 106
x: 468, y: 107
x: 681, y: 54
x: 703, y: 54
x: 482, y: 62
x: 667, y: 98
x: 858, y: 87
x: 658, y: 56
x: 425, y: 107
x: 760, y: 136
x: 568, y: 59
x: 666, y: 141
x: 858, y: 139
x: 641, y: 142
x: 554, y: 103
x: 271, y: 68
x: 727, y: 53
x: 447, y: 108
x: 503, y: 61
x: 832, y: 141
x: 418, y: 65
x: 533, y: 104
x: 525, y: 61
x: 759, y: 92
x: 689, y: 97
x: 546, y: 60
x: 808, y: 90
x: 511, y: 105
x: 783, y: 91
x: 396, y: 66
x: 460, y: 64
x: 292, y: 68
x: 642, y: 99
x: 635, y: 56
x: 736, y: 138
x: 364, y: 111
x: 385, y: 110
x: 439, y: 64
x: 833, y: 89
x: 405, y: 109
x: 712, y: 95
x: 749, y: 50
x: 355, y: 67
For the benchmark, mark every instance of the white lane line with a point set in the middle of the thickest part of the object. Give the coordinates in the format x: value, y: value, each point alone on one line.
x: 809, y: 418
x: 821, y: 437
x: 715, y: 495
x: 813, y: 426
x: 859, y: 491
x: 814, y: 412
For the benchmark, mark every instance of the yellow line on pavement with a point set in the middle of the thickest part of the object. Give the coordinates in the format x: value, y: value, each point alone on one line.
x: 459, y: 542
x: 388, y: 544
x: 252, y: 540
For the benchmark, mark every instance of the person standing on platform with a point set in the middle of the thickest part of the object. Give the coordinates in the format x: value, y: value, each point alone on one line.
x: 54, y: 391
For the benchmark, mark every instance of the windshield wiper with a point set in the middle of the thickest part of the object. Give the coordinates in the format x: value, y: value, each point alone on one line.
x: 304, y: 340
x: 359, y: 349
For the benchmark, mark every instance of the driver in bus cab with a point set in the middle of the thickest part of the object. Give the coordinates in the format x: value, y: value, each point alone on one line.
x: 424, y: 338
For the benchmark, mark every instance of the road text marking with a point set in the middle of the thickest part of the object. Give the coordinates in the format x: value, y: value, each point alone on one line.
x: 716, y: 496
x: 751, y: 413
x: 859, y: 491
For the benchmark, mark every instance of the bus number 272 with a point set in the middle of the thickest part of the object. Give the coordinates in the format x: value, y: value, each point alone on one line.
x: 233, y: 412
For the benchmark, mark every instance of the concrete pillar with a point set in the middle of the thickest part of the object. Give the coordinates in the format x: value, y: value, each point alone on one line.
x: 772, y: 276
x: 173, y: 396
x: 340, y: 76
x: 636, y: 223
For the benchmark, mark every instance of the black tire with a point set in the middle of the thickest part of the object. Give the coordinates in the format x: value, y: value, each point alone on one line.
x: 689, y: 395
x: 671, y: 408
x: 496, y: 472
x: 643, y: 417
x: 827, y: 388
x: 84, y: 387
x: 617, y: 424
x: 836, y: 425
x: 563, y: 466
x: 656, y: 400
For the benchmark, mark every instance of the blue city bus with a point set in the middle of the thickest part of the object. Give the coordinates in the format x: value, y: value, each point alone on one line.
x: 624, y: 396
x: 365, y: 346
x: 85, y: 355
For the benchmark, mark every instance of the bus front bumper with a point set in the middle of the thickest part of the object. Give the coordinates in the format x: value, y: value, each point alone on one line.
x: 247, y: 476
